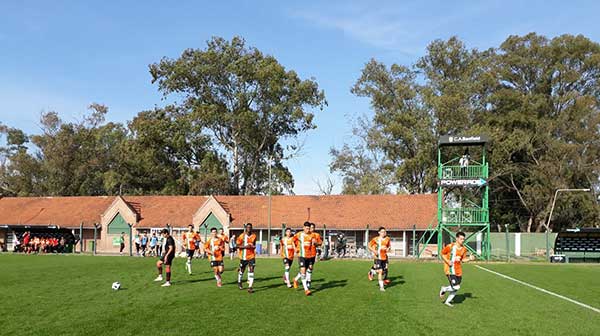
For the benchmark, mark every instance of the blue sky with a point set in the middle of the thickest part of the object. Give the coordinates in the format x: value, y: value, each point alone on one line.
x: 63, y: 55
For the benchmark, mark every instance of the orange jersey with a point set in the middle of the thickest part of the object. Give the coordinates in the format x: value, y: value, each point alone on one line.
x: 190, y: 240
x: 215, y: 248
x: 224, y: 238
x: 243, y: 240
x: 455, y: 254
x: 304, y: 245
x: 319, y: 241
x: 381, y: 246
x: 288, y: 247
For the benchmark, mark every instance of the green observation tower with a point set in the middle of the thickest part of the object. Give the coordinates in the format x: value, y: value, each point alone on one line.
x: 463, y: 192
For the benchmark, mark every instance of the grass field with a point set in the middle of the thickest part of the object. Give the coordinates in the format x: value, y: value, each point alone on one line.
x: 71, y: 295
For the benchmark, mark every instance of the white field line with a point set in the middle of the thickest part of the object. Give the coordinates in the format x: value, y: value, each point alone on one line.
x: 541, y: 289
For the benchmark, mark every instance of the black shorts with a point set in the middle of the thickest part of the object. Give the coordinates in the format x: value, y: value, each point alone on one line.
x: 143, y: 247
x: 216, y: 263
x: 454, y: 280
x: 190, y: 253
x: 288, y: 262
x: 306, y: 262
x: 168, y: 260
x: 244, y: 263
x: 379, y: 264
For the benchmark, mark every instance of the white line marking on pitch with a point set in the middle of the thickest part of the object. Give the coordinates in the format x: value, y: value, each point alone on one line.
x: 540, y: 289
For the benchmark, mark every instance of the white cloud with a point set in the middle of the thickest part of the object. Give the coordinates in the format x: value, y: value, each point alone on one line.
x: 404, y: 28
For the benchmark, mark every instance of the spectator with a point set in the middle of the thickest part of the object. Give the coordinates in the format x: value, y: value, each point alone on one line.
x: 276, y: 241
x: 341, y: 246
x: 464, y: 163
x: 36, y: 244
x: 161, y: 242
x: 153, y: 243
x: 232, y: 247
x: 61, y: 245
x: 17, y: 243
x: 26, y: 242
x: 137, y: 244
x: 121, y: 243
x: 144, y: 243
x: 54, y: 245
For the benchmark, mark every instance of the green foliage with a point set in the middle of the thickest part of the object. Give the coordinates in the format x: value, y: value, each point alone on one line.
x: 537, y: 98
x: 247, y: 101
x: 241, y: 111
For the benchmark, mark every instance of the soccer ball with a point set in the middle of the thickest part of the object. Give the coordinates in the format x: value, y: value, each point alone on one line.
x: 116, y: 285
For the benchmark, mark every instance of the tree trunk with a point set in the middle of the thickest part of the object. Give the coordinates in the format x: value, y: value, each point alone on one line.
x: 529, y: 224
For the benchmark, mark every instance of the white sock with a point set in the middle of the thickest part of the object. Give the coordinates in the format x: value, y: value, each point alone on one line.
x: 304, y: 282
x: 381, y: 284
x: 240, y: 274
x: 298, y: 276
x: 217, y: 277
x: 451, y: 296
x: 189, y: 266
x: 308, y: 275
x: 287, y: 276
x: 250, y: 279
x: 447, y: 289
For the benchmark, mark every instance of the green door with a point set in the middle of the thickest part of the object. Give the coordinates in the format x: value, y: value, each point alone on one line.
x: 210, y: 222
x: 118, y: 225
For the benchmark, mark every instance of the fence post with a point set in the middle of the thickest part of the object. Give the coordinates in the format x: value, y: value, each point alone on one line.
x: 547, y: 245
x: 325, y: 248
x: 507, y: 244
x: 404, y: 244
x: 95, y: 236
x: 413, y: 239
x: 81, y: 237
x: 130, y: 239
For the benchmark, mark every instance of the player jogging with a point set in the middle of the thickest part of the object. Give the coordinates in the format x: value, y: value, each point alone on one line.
x: 454, y: 254
x: 190, y: 240
x: 167, y: 258
x: 288, y: 246
x: 215, y: 249
x: 304, y: 246
x: 221, y: 235
x: 246, y: 248
x: 380, y: 246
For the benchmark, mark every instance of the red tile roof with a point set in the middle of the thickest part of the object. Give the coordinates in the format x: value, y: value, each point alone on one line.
x: 158, y: 211
x: 61, y: 211
x: 350, y: 212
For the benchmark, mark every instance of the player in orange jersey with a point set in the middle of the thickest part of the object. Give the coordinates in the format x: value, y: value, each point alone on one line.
x: 380, y: 246
x: 190, y: 239
x: 215, y: 249
x: 246, y: 245
x: 305, y: 241
x: 288, y: 247
x: 454, y: 254
x: 225, y: 239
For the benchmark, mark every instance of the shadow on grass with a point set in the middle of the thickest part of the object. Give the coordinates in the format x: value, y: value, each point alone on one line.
x: 194, y: 280
x: 332, y: 284
x: 256, y: 280
x: 396, y: 280
x: 459, y: 298
x: 267, y: 287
